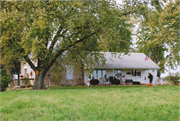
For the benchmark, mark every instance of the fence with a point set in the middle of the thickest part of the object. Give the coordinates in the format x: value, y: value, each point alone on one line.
x: 21, y: 81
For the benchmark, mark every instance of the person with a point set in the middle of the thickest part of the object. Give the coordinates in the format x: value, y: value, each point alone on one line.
x: 123, y: 78
x: 150, y: 77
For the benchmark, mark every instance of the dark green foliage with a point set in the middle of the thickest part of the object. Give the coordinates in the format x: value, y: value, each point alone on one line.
x: 94, y: 81
x: 5, y: 79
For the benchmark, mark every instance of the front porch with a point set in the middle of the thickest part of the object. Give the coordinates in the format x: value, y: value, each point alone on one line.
x: 134, y: 76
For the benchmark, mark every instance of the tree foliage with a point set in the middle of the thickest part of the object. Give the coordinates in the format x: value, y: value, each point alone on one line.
x: 174, y: 78
x: 42, y: 31
x: 5, y: 79
x: 159, y: 34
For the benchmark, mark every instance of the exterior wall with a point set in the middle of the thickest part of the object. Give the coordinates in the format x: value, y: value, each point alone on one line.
x: 50, y: 79
x: 77, y: 78
x: 142, y: 79
x: 26, y: 65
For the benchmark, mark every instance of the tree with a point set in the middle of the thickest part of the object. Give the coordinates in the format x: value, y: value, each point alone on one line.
x: 174, y: 78
x: 11, y: 64
x: 170, y: 19
x: 42, y: 31
x: 5, y: 79
x: 159, y: 34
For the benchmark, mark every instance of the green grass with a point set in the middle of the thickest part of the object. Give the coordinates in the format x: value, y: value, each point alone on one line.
x: 93, y: 103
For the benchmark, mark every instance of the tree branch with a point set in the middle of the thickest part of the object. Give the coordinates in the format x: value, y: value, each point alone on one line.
x: 29, y: 62
x: 63, y: 49
x: 55, y: 39
x: 153, y: 54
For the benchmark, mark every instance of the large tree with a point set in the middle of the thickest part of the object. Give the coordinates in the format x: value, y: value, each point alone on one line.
x: 41, y: 31
x: 158, y: 34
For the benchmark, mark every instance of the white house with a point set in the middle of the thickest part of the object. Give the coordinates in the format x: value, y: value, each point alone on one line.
x: 133, y: 66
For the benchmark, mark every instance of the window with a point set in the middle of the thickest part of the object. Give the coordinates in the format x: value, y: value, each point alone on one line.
x: 118, y: 73
x: 69, y: 72
x: 99, y: 74
x: 31, y: 72
x: 133, y: 72
x: 138, y: 73
x: 25, y: 72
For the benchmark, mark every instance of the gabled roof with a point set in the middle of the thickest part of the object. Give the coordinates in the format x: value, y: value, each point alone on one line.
x: 130, y: 61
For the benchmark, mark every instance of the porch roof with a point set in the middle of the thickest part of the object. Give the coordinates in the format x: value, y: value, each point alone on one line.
x: 130, y: 61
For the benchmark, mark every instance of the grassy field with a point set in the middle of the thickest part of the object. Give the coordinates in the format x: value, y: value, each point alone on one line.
x: 93, y: 103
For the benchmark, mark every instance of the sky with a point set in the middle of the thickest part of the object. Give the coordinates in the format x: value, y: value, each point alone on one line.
x: 168, y: 69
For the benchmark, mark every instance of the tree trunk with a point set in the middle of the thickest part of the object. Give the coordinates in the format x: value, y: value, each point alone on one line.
x: 18, y: 77
x: 9, y: 73
x: 39, y: 82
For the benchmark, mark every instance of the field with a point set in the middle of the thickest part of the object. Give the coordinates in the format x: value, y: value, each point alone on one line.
x: 93, y: 103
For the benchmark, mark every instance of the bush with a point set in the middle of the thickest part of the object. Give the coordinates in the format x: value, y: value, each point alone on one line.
x: 5, y: 80
x: 94, y: 81
x: 174, y: 79
x: 25, y: 80
x: 29, y: 84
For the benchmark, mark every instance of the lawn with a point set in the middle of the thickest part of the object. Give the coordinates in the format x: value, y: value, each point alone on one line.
x: 93, y: 103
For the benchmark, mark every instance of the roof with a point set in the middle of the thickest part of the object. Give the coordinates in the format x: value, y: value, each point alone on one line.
x: 130, y: 61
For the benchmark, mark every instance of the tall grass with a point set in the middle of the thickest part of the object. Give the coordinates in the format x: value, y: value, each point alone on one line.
x: 93, y: 103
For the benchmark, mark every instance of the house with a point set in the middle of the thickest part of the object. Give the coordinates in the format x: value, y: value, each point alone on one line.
x: 133, y: 66
x: 68, y: 76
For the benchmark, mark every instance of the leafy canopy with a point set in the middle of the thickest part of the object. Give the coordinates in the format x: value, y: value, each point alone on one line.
x: 159, y: 34
x: 42, y: 30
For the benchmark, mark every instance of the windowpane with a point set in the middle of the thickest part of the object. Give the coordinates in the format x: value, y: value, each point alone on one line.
x: 25, y: 72
x: 99, y: 74
x: 104, y: 74
x: 118, y: 73
x: 69, y: 72
x: 94, y: 74
x: 138, y: 73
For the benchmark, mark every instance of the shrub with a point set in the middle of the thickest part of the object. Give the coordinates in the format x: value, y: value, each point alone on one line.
x: 94, y: 81
x: 29, y: 84
x: 25, y: 80
x: 174, y: 78
x: 5, y: 80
